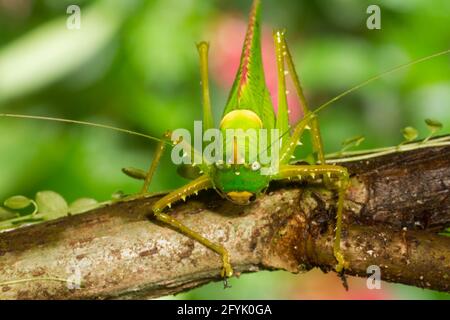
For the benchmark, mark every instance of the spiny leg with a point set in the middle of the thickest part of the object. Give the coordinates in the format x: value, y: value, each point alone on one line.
x: 302, y: 171
x: 201, y: 183
x: 159, y: 152
x: 287, y: 150
x: 314, y: 124
x: 203, y: 48
x: 282, y: 122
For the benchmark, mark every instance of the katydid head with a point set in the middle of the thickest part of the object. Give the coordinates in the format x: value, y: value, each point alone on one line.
x: 240, y: 183
x: 239, y: 179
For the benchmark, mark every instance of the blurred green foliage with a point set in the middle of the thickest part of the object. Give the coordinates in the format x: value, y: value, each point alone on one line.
x: 134, y: 65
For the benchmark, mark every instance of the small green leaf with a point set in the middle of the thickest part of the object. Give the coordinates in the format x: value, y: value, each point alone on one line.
x: 354, y: 141
x: 351, y: 142
x: 29, y: 219
x: 118, y: 195
x: 135, y: 173
x: 52, y: 204
x: 17, y: 202
x: 446, y: 232
x: 433, y: 125
x: 6, y: 214
x: 82, y: 205
x: 410, y: 133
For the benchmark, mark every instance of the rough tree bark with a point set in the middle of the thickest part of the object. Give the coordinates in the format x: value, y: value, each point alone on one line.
x: 394, y: 207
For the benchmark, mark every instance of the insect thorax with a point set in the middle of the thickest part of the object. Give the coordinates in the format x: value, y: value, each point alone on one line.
x: 243, y: 136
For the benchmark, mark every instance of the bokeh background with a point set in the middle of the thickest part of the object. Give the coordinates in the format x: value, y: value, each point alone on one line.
x: 134, y: 65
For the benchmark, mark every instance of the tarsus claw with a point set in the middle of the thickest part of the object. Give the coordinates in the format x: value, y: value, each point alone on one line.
x: 227, y: 270
x: 342, y: 264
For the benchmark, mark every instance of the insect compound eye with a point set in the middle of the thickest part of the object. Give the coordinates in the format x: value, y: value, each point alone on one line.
x: 256, y: 166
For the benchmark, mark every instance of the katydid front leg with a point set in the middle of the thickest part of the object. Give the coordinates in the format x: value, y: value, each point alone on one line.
x: 315, y: 130
x: 201, y: 183
x: 303, y: 171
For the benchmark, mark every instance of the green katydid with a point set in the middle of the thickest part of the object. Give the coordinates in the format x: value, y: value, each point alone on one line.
x: 249, y: 106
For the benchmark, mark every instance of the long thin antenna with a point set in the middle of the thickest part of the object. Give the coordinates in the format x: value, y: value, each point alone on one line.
x: 310, y: 114
x: 85, y: 123
x: 362, y: 84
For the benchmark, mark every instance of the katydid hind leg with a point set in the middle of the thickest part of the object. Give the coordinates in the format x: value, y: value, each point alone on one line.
x: 314, y: 124
x: 282, y: 119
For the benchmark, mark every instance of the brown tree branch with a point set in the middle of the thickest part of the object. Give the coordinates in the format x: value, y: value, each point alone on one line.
x: 394, y: 207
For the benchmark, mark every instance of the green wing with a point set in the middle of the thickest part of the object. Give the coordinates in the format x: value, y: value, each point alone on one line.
x: 249, y: 89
